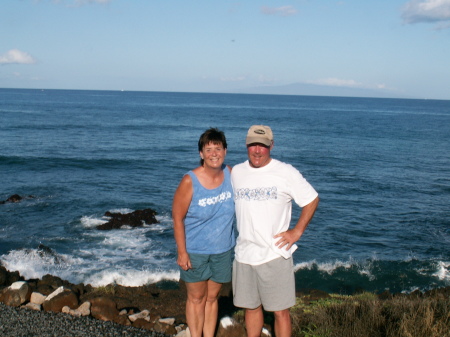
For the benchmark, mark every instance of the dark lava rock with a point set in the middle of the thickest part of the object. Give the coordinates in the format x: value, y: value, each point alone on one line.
x: 15, y: 198
x: 135, y: 219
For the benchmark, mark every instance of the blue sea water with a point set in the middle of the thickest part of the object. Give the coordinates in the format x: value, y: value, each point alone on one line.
x: 381, y: 167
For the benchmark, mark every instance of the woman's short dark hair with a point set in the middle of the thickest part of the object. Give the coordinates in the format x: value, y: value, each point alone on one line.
x: 212, y: 135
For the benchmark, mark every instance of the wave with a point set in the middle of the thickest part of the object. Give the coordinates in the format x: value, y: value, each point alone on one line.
x: 35, y: 263
x: 132, y: 278
x: 129, y: 257
x: 65, y: 161
x: 109, y: 268
x: 374, y: 275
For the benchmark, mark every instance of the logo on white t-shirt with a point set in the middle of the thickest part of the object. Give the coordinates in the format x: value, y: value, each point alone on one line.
x: 257, y: 194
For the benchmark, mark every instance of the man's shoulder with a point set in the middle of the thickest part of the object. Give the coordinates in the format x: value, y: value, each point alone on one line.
x: 240, y: 166
x: 281, y: 165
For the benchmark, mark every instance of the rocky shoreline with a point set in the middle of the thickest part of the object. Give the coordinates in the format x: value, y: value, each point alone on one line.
x: 82, y: 310
x: 51, y: 306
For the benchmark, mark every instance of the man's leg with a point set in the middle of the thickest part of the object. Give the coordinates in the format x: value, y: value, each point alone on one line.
x: 195, y: 306
x: 254, y: 321
x: 283, y: 324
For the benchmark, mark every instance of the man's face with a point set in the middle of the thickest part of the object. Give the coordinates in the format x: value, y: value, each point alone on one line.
x: 258, y: 154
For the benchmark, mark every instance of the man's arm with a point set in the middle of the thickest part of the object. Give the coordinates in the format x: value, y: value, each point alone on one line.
x: 291, y: 236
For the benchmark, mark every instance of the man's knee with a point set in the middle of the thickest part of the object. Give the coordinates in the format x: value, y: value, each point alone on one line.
x: 282, y: 314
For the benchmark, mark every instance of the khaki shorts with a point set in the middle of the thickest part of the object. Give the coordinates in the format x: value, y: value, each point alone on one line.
x: 270, y: 284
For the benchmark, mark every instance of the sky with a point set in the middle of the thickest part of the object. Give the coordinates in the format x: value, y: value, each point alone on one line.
x: 380, y: 48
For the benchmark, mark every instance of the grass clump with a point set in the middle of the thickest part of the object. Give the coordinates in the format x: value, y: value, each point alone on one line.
x: 109, y: 289
x: 365, y: 315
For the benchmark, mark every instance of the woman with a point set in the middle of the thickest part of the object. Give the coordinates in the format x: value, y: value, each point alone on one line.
x: 203, y: 212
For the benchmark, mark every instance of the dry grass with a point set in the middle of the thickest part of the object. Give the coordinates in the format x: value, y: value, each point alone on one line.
x: 367, y: 316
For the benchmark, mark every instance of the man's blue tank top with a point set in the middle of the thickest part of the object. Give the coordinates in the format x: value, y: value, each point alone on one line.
x: 209, y: 220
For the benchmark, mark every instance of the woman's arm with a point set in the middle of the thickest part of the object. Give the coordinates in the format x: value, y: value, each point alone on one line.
x: 180, y: 206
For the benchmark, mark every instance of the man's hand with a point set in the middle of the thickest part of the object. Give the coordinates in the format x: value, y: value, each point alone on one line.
x: 287, y: 238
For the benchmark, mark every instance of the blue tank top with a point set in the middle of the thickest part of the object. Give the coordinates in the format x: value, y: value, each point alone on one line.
x: 209, y: 221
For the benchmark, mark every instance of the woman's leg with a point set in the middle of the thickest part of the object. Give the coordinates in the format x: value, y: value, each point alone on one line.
x: 195, y: 306
x: 211, y: 308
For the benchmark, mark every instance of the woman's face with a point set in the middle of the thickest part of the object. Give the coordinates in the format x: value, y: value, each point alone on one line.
x: 213, y: 155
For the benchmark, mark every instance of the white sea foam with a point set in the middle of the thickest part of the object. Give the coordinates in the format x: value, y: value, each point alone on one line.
x: 131, y: 278
x: 122, y: 210
x: 91, y: 222
x: 443, y: 272
x: 363, y: 268
x: 126, y: 256
x: 328, y: 267
x: 33, y: 263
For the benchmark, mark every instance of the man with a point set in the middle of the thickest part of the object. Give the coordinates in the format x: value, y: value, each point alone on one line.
x: 263, y: 273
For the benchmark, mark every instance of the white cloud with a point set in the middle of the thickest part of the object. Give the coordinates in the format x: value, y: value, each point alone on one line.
x: 16, y: 56
x: 282, y: 11
x: 233, y: 79
x: 336, y: 82
x: 416, y: 11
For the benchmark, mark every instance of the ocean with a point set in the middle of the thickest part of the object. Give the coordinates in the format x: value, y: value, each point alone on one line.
x: 381, y: 167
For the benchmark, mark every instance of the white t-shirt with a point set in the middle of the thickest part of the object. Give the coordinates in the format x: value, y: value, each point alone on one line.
x: 263, y: 208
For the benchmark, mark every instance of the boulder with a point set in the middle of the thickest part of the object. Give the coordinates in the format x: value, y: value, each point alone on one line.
x: 60, y: 298
x: 105, y: 309
x: 144, y: 314
x: 164, y: 328
x: 143, y: 324
x: 184, y: 333
x: 48, y: 284
x: 3, y: 276
x: 229, y: 327
x: 134, y: 219
x: 169, y: 320
x: 85, y: 309
x: 17, y: 294
x: 37, y: 298
x: 82, y: 310
x: 15, y: 198
x: 8, y: 277
x: 33, y: 306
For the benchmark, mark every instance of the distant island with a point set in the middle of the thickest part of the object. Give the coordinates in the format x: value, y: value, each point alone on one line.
x: 307, y: 89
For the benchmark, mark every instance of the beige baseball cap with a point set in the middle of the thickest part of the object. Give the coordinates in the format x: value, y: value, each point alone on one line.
x: 259, y: 134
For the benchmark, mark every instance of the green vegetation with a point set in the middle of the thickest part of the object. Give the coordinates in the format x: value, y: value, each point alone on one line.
x: 366, y: 315
x: 109, y: 289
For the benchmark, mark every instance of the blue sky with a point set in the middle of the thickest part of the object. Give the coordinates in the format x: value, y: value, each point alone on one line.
x: 393, y: 48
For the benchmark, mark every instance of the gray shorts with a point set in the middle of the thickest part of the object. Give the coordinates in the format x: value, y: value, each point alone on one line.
x: 271, y: 284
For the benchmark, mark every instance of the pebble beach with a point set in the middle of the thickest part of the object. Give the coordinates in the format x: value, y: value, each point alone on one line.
x: 21, y: 322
